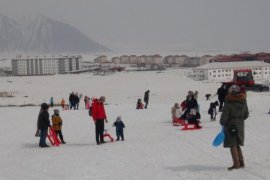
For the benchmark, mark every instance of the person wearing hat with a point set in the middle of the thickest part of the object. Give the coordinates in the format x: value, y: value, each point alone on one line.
x: 119, y: 127
x: 99, y: 115
x: 43, y: 124
x: 57, y: 125
x: 234, y: 113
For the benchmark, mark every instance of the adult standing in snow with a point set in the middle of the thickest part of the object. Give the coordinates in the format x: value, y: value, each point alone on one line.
x: 146, y: 98
x: 43, y: 124
x: 232, y: 119
x: 99, y: 115
x: 221, y: 92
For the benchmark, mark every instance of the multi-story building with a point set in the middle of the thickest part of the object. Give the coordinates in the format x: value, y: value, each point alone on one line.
x: 31, y: 66
x: 101, y: 59
x: 224, y: 70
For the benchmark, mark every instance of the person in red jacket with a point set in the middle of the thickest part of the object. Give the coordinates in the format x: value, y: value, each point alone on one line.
x: 99, y: 115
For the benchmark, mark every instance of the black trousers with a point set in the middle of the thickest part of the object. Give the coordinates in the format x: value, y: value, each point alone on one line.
x: 146, y: 104
x: 59, y: 133
x: 220, y: 105
x: 99, y: 130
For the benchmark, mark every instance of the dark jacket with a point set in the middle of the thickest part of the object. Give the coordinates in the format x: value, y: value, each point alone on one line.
x: 43, y: 120
x: 146, y: 96
x: 119, y: 125
x: 191, y: 103
x: 234, y: 113
x: 222, y: 92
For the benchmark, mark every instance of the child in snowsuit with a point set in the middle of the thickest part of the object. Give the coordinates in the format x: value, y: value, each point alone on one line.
x: 212, y: 110
x: 63, y: 103
x: 139, y: 104
x: 119, y: 128
x: 57, y: 125
x: 193, y: 117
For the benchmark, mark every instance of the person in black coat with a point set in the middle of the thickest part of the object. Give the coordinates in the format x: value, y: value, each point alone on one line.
x: 146, y: 98
x: 191, y: 103
x: 119, y: 128
x: 222, y: 93
x: 193, y: 117
x: 43, y: 124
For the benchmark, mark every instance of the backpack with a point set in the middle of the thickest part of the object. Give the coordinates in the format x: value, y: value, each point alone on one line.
x: 90, y: 111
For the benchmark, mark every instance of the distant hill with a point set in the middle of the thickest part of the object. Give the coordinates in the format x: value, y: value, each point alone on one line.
x: 44, y: 35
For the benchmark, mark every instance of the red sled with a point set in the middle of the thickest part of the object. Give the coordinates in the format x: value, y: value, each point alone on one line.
x: 53, y: 137
x: 188, y: 126
x: 178, y: 122
x: 108, y: 135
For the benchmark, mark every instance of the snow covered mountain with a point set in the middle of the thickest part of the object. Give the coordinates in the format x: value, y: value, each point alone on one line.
x: 10, y: 34
x: 44, y: 35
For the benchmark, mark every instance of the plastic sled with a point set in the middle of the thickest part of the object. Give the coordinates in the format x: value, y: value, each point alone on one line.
x: 108, y: 135
x: 219, y: 138
x: 188, y: 126
x: 178, y: 122
x: 53, y: 137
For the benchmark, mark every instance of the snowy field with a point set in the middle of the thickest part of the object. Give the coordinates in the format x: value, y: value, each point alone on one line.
x: 153, y: 149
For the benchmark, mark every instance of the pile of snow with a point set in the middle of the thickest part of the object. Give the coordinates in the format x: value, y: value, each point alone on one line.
x: 153, y: 148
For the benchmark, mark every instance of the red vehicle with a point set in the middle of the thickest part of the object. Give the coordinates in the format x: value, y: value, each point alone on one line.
x: 244, y: 77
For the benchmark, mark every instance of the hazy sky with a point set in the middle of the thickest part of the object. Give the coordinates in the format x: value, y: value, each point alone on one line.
x: 134, y: 25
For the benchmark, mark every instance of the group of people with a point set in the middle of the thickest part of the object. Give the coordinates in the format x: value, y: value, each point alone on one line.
x: 188, y: 110
x: 232, y: 103
x: 97, y: 112
x: 74, y: 100
x: 43, y: 124
x: 139, y: 104
x: 233, y: 106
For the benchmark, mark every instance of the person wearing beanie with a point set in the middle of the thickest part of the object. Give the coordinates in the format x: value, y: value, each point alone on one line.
x: 119, y: 126
x: 234, y: 113
x: 43, y: 124
x: 57, y: 125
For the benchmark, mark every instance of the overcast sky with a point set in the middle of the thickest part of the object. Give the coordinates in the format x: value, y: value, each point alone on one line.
x: 134, y: 25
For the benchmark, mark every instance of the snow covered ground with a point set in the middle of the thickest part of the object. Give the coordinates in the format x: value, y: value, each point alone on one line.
x: 153, y: 148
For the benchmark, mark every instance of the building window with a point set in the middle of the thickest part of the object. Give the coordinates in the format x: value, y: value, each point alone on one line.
x: 214, y: 75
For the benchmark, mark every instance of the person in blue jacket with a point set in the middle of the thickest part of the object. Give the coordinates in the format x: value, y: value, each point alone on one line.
x: 119, y: 125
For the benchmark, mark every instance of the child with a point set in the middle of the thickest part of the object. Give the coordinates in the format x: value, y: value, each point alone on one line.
x: 139, y: 104
x: 63, y: 103
x: 193, y: 117
x: 212, y: 110
x: 177, y: 111
x: 57, y: 124
x: 119, y: 128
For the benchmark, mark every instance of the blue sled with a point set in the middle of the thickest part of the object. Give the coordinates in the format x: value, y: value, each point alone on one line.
x: 219, y: 138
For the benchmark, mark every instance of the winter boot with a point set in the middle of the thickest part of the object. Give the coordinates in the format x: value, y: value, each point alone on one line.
x: 235, y: 157
x: 241, y: 158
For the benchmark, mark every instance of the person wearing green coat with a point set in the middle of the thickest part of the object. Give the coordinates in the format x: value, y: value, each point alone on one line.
x: 232, y: 119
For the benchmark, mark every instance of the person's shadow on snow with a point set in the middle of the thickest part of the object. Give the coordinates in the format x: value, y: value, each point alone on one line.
x: 195, y: 168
